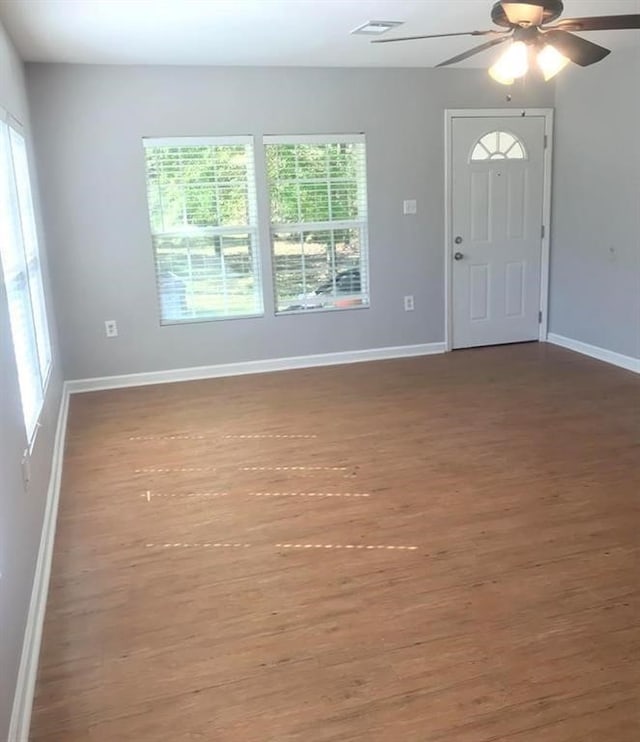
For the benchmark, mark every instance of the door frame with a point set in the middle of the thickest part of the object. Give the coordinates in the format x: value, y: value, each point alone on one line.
x: 449, y: 115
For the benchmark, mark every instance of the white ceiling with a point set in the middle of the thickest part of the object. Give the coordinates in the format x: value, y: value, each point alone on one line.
x: 261, y: 32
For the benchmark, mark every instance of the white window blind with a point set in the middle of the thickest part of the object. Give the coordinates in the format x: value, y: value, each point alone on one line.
x: 202, y: 210
x: 318, y: 193
x: 22, y: 275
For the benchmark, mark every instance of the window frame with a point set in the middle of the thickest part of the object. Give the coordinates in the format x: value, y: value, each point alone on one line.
x: 362, y: 225
x: 28, y: 282
x: 252, y: 228
x: 498, y: 154
x: 26, y: 244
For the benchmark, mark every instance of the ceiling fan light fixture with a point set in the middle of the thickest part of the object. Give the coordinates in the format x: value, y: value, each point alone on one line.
x: 550, y: 61
x: 512, y: 64
x: 498, y: 77
x: 524, y: 14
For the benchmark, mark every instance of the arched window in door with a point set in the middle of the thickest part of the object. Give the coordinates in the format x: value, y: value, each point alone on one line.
x: 498, y: 145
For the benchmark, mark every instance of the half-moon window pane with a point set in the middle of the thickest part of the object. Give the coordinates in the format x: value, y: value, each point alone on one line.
x: 498, y: 145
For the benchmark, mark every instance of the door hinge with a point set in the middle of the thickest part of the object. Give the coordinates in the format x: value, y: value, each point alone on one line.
x: 542, y: 231
x: 546, y: 140
x: 540, y: 316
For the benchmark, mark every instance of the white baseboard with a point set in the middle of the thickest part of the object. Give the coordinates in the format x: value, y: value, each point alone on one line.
x: 28, y: 670
x: 251, y: 367
x: 617, y: 359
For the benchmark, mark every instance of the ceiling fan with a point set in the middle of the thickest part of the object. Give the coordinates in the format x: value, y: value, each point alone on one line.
x: 528, y: 33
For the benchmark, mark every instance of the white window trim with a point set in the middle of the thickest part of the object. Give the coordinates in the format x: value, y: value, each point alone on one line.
x: 45, y: 373
x: 152, y: 142
x: 358, y: 138
x: 315, y: 226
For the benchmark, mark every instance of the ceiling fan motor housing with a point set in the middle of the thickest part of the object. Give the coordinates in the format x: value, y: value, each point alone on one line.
x: 529, y: 35
x: 525, y: 14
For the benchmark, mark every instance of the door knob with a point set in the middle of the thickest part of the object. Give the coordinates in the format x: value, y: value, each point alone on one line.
x: 458, y: 240
x: 458, y: 256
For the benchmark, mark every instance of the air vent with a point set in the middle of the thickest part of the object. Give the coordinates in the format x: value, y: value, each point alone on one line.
x: 376, y: 28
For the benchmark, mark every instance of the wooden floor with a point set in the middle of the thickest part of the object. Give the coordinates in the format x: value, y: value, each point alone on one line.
x: 440, y: 549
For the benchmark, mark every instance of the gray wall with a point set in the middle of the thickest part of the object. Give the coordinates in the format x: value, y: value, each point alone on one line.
x: 89, y: 122
x: 20, y: 513
x: 595, y: 264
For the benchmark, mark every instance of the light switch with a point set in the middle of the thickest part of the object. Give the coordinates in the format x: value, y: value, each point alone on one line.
x: 409, y: 206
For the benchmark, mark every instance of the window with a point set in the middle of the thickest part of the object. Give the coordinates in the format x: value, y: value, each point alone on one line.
x: 498, y: 145
x: 22, y: 275
x: 318, y: 221
x: 202, y: 209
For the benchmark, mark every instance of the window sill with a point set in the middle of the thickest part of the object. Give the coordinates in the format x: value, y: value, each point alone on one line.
x: 321, y: 310
x: 201, y: 320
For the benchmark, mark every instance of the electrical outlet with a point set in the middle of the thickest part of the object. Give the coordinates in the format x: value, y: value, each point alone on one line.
x: 111, y: 328
x: 408, y: 303
x: 409, y: 206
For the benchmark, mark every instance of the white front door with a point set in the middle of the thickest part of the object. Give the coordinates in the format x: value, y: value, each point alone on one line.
x: 497, y: 171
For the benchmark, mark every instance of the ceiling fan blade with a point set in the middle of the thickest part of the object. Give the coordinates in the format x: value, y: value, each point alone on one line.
x: 492, y: 32
x: 471, y: 52
x: 598, y: 23
x: 578, y: 50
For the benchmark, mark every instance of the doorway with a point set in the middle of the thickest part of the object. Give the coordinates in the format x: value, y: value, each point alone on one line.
x: 497, y: 247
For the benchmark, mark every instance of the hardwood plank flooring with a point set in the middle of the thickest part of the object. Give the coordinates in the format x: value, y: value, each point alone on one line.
x: 224, y: 570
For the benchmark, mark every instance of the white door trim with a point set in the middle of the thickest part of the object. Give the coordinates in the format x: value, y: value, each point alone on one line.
x: 449, y: 115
